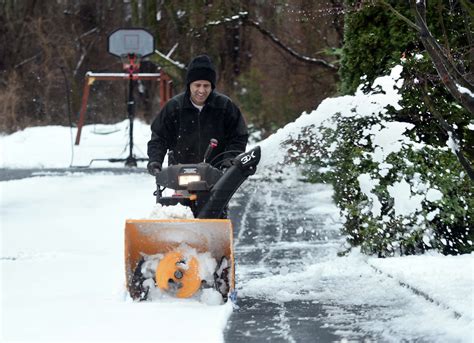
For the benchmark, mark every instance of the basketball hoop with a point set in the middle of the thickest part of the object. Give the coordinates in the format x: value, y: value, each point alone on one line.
x: 131, y: 46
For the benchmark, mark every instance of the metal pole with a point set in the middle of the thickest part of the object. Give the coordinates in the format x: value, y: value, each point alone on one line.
x: 131, y: 161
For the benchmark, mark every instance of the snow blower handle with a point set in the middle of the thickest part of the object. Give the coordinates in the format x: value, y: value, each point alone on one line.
x: 212, y: 145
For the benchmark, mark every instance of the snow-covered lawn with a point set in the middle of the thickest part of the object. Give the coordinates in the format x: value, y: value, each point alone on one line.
x: 53, y: 147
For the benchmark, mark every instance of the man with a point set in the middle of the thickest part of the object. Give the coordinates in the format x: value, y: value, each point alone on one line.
x: 191, y: 119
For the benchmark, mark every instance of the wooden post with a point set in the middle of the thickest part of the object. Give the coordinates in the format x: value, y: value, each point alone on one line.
x: 85, y: 95
x: 165, y: 88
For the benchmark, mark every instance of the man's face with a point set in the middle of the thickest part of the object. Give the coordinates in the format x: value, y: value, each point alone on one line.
x: 200, y: 90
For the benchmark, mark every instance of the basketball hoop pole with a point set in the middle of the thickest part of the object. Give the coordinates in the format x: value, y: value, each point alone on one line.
x: 130, y: 45
x: 134, y: 65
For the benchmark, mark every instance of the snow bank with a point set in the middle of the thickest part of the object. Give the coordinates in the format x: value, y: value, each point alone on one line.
x: 53, y: 146
x: 448, y: 280
x: 360, y: 104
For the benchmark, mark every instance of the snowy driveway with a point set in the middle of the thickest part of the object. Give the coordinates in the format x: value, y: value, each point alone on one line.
x: 293, y: 287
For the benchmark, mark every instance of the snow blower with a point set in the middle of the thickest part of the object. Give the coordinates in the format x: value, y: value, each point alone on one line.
x: 182, y: 257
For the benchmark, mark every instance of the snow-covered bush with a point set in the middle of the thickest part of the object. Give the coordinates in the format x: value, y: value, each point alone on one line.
x: 397, y: 194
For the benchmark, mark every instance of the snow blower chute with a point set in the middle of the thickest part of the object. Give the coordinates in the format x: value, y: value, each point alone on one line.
x: 180, y: 257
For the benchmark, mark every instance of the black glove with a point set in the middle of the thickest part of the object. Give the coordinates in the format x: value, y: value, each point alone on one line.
x: 227, y: 163
x: 153, y: 167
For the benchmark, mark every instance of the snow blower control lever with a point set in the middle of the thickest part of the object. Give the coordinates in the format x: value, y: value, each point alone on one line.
x: 212, y: 145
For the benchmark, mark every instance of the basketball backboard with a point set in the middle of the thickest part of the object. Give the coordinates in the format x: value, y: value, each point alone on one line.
x: 123, y: 42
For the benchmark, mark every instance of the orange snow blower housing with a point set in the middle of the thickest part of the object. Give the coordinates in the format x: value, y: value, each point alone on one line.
x: 162, y: 236
x: 181, y: 250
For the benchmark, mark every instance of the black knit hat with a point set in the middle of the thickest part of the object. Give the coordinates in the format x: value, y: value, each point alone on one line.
x: 201, y: 68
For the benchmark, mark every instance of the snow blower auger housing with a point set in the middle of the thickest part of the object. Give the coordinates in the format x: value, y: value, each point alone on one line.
x: 180, y: 257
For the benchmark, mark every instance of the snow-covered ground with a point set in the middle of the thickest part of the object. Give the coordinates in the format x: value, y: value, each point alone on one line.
x: 62, y: 270
x: 53, y: 147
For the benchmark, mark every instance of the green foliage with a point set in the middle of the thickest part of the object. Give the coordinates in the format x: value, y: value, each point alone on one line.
x: 415, y: 198
x: 373, y: 39
x: 425, y: 101
x: 440, y: 199
x: 376, y: 39
x: 343, y: 153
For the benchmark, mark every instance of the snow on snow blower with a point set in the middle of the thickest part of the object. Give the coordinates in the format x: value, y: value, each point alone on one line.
x: 186, y: 258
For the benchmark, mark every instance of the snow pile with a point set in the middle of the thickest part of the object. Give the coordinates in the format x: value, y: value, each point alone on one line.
x: 438, y: 276
x: 53, y: 147
x: 171, y: 212
x: 210, y: 296
x: 274, y: 151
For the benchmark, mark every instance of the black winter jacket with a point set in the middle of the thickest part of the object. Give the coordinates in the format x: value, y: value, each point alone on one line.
x: 181, y: 128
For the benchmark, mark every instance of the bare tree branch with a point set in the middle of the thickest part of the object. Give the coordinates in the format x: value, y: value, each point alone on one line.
x: 452, y: 79
x: 172, y: 50
x: 425, y: 33
x: 26, y: 18
x: 456, y: 84
x: 85, y: 48
x: 449, y: 131
x: 95, y: 29
x: 467, y: 9
x: 427, y: 38
x: 291, y: 51
x: 32, y: 58
x: 243, y: 17
x: 401, y: 16
x: 177, y: 64
x: 450, y: 76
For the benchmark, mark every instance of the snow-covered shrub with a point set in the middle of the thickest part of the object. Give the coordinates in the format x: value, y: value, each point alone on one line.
x: 398, y: 195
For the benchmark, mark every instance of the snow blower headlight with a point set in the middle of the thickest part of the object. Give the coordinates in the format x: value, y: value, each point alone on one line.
x: 183, y: 180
